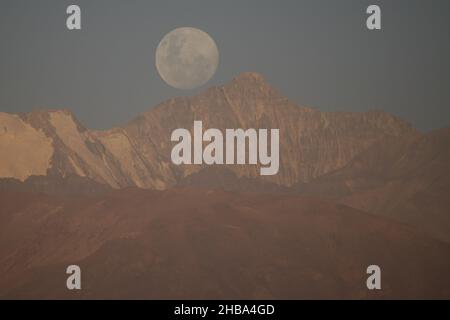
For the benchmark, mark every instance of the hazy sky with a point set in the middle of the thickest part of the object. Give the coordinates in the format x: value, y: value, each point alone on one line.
x: 317, y: 53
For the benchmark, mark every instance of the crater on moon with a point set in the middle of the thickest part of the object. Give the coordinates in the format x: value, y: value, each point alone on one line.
x: 187, y: 58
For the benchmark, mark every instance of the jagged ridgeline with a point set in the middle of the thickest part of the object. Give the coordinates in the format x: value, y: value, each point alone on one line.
x: 312, y: 143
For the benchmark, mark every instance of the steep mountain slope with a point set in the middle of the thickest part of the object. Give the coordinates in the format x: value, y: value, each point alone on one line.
x: 186, y: 243
x: 53, y: 143
x: 405, y: 178
x: 312, y: 143
x: 25, y: 150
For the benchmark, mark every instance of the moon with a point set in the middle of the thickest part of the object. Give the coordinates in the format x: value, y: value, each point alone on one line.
x: 187, y: 58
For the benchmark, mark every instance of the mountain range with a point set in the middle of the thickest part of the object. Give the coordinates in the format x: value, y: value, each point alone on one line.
x: 353, y: 189
x: 313, y: 143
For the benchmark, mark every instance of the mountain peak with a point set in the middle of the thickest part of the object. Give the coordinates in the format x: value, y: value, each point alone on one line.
x: 252, y: 84
x: 250, y: 77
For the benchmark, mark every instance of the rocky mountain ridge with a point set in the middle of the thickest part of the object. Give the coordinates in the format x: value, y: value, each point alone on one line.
x: 312, y: 143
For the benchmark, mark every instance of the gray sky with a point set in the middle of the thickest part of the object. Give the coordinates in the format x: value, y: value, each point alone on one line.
x: 316, y: 52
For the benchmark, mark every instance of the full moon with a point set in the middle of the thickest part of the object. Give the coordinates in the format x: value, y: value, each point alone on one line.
x: 187, y: 58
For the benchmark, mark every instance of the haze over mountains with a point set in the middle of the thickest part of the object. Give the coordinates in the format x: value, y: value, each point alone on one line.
x: 353, y: 189
x: 204, y: 244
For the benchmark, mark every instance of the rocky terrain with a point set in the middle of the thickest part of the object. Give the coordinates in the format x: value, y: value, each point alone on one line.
x: 312, y: 143
x: 354, y: 189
